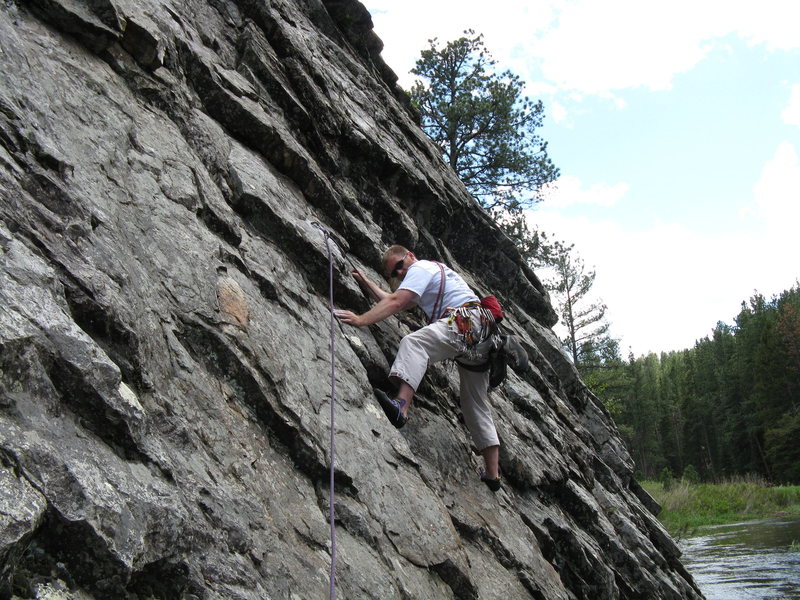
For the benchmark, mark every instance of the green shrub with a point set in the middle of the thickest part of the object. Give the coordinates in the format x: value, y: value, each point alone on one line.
x: 666, y: 478
x: 690, y: 475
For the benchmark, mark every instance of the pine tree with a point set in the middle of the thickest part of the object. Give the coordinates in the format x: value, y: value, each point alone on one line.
x: 484, y: 126
x: 585, y: 321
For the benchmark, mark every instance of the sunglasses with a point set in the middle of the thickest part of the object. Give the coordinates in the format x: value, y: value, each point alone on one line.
x: 398, y: 266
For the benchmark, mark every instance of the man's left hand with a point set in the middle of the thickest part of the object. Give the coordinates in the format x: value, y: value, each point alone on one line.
x: 349, y: 317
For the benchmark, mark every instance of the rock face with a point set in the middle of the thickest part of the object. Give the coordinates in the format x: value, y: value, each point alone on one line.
x: 164, y: 339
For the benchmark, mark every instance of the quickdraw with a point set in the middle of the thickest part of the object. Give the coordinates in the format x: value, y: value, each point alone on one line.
x: 472, y: 324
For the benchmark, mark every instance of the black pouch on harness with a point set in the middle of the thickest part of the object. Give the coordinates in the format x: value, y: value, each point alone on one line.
x: 508, y: 353
x: 497, y: 368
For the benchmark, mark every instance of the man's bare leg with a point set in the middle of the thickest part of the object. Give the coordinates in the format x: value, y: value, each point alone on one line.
x: 491, y: 460
x: 406, y: 394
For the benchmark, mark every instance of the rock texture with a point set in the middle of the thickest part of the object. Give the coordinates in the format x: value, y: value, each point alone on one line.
x: 164, y: 337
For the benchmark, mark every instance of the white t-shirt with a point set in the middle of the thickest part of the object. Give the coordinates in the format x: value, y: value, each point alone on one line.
x: 424, y: 279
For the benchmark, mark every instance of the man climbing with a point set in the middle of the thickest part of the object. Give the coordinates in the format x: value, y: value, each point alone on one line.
x: 458, y: 328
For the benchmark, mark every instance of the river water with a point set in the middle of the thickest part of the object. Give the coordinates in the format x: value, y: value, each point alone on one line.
x: 755, y: 560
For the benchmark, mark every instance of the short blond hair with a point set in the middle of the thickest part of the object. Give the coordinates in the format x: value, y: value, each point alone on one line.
x: 395, y: 250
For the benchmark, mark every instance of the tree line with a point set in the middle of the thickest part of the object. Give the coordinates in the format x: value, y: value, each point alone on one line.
x: 729, y: 406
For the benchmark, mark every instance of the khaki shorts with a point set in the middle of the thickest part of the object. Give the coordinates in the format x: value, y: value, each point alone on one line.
x: 438, y: 342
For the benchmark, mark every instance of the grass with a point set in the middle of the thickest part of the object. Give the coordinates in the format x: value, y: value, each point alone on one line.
x: 686, y: 507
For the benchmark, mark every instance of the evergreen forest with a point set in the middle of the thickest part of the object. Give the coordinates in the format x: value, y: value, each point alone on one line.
x: 728, y: 407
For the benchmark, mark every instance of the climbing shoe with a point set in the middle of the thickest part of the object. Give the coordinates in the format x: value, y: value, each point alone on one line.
x: 492, y: 484
x: 392, y: 408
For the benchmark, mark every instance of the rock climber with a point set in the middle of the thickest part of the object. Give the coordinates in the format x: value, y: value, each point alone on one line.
x: 459, y: 328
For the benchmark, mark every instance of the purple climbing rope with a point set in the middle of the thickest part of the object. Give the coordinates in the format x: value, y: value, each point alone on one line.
x: 331, y: 515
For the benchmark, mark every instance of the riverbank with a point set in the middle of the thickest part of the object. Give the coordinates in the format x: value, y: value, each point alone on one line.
x: 686, y: 507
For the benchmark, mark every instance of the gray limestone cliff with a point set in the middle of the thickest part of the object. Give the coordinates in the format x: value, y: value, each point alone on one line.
x: 164, y: 336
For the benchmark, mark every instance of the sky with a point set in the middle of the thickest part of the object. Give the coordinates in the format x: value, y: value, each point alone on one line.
x: 676, y: 130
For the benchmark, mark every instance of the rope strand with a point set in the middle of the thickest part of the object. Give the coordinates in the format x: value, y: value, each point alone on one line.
x: 331, y: 515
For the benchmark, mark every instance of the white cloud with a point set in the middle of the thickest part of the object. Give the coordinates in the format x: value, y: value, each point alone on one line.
x: 769, y: 22
x: 558, y: 112
x: 569, y: 190
x: 405, y: 28
x: 598, y: 47
x: 536, y: 89
x: 666, y: 285
x: 777, y: 199
x: 791, y: 114
x: 584, y: 45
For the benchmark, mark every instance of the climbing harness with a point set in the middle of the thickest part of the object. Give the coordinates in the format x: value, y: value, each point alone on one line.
x: 472, y: 323
x: 475, y: 322
x: 331, y: 515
